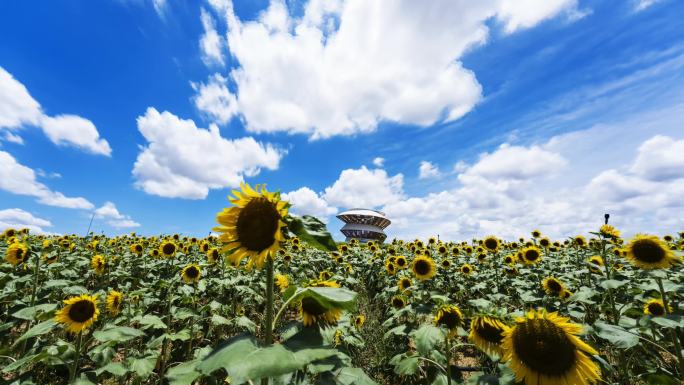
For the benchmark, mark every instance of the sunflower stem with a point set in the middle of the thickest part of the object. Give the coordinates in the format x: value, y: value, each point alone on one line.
x: 34, y: 290
x: 74, y: 365
x: 673, y: 332
x: 268, y: 337
x: 447, y: 354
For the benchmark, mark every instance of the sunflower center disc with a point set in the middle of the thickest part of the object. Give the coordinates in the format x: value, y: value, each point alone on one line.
x: 450, y: 319
x: 491, y: 244
x: 656, y: 309
x: 543, y: 347
x: 312, y: 307
x: 422, y: 267
x: 648, y: 251
x: 398, y: 303
x: 191, y: 272
x: 489, y: 332
x: 168, y: 248
x: 82, y: 311
x: 531, y: 255
x: 257, y: 224
x: 554, y: 286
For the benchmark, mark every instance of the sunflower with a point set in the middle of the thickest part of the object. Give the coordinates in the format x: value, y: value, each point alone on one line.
x: 325, y: 275
x: 423, y: 267
x: 398, y: 302
x: 9, y: 233
x: 343, y: 248
x: 359, y: 321
x: 313, y: 312
x: 609, y: 231
x: 449, y: 316
x: 252, y: 228
x: 282, y: 282
x: 553, y: 286
x: 536, y: 233
x: 404, y: 283
x: 390, y: 267
x: 168, y: 248
x: 543, y: 349
x: 136, y: 248
x: 79, y: 313
x: 509, y: 260
x: 510, y: 271
x: 445, y: 264
x: 545, y: 242
x: 401, y: 262
x: 565, y: 294
x: 50, y: 258
x: 191, y: 273
x: 442, y: 249
x: 213, y: 255
x: 656, y: 308
x: 531, y: 255
x: 650, y: 252
x: 491, y: 243
x: 487, y: 333
x: 114, y: 301
x: 16, y: 253
x: 287, y: 258
x: 467, y: 269
x: 204, y: 247
x: 98, y: 263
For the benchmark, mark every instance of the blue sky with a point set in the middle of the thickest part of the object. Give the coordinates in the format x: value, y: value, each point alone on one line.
x: 493, y: 117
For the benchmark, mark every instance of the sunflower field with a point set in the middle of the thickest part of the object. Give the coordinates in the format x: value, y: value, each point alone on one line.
x: 259, y: 303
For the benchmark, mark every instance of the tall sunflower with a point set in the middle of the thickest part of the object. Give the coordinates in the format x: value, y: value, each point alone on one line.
x: 168, y: 248
x: 114, y: 302
x: 543, y: 349
x: 449, y: 316
x: 650, y: 252
x: 609, y: 231
x: 79, y: 313
x: 252, y: 228
x: 313, y: 312
x: 491, y: 243
x: 423, y: 267
x: 16, y: 253
x: 531, y: 255
x: 486, y: 333
x: 401, y: 262
x: 98, y: 263
x: 553, y: 286
x: 191, y: 273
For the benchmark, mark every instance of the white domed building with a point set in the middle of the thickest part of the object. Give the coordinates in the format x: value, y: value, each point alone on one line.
x: 364, y: 225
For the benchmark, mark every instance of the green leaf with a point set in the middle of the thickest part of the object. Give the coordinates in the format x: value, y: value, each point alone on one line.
x: 118, y: 334
x: 37, y: 330
x: 29, y: 313
x: 115, y: 368
x: 612, y: 283
x: 407, y: 366
x: 661, y: 379
x: 183, y: 374
x: 669, y: 322
x: 583, y: 295
x: 152, y: 321
x: 142, y: 367
x: 427, y: 336
x: 353, y: 376
x: 480, y: 303
x: 219, y: 320
x: 616, y: 335
x: 311, y: 230
x: 328, y: 297
x: 246, y: 323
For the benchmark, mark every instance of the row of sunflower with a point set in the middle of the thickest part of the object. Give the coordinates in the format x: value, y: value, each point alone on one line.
x: 254, y: 304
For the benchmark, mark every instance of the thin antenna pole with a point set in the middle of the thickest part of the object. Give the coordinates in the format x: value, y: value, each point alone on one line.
x: 91, y: 223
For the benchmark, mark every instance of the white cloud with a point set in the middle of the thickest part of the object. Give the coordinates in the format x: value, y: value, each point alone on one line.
x: 214, y: 99
x: 19, y: 109
x: 364, y: 188
x: 427, y: 170
x: 115, y: 218
x: 517, y: 163
x: 345, y: 66
x: 640, y: 5
x: 378, y: 162
x: 160, y: 6
x: 21, y: 180
x: 75, y: 131
x: 184, y: 161
x: 211, y: 43
x: 123, y: 223
x: 307, y: 202
x: 660, y: 158
x: 13, y: 138
x: 19, y: 219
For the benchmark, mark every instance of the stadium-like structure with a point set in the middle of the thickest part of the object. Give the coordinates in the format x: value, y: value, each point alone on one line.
x: 364, y: 225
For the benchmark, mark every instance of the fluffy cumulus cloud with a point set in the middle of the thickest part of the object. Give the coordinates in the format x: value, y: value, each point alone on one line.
x: 427, y: 170
x: 215, y: 100
x: 21, y: 180
x: 114, y: 218
x: 211, y: 43
x: 305, y: 201
x: 181, y: 160
x: 20, y: 219
x: 363, y: 187
x: 343, y: 66
x: 19, y: 109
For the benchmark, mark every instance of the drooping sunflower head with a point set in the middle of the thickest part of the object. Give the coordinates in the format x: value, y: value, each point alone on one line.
x: 423, y: 267
x: 404, y: 283
x: 16, y: 253
x: 650, y: 252
x: 543, y: 348
x: 314, y: 312
x: 553, y: 286
x: 79, y: 313
x: 449, y: 316
x: 531, y: 255
x: 213, y: 255
x: 486, y: 332
x: 359, y: 321
x: 282, y: 282
x: 252, y: 228
x: 467, y: 269
x: 191, y: 273
x: 491, y: 243
x: 114, y: 302
x: 656, y: 308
